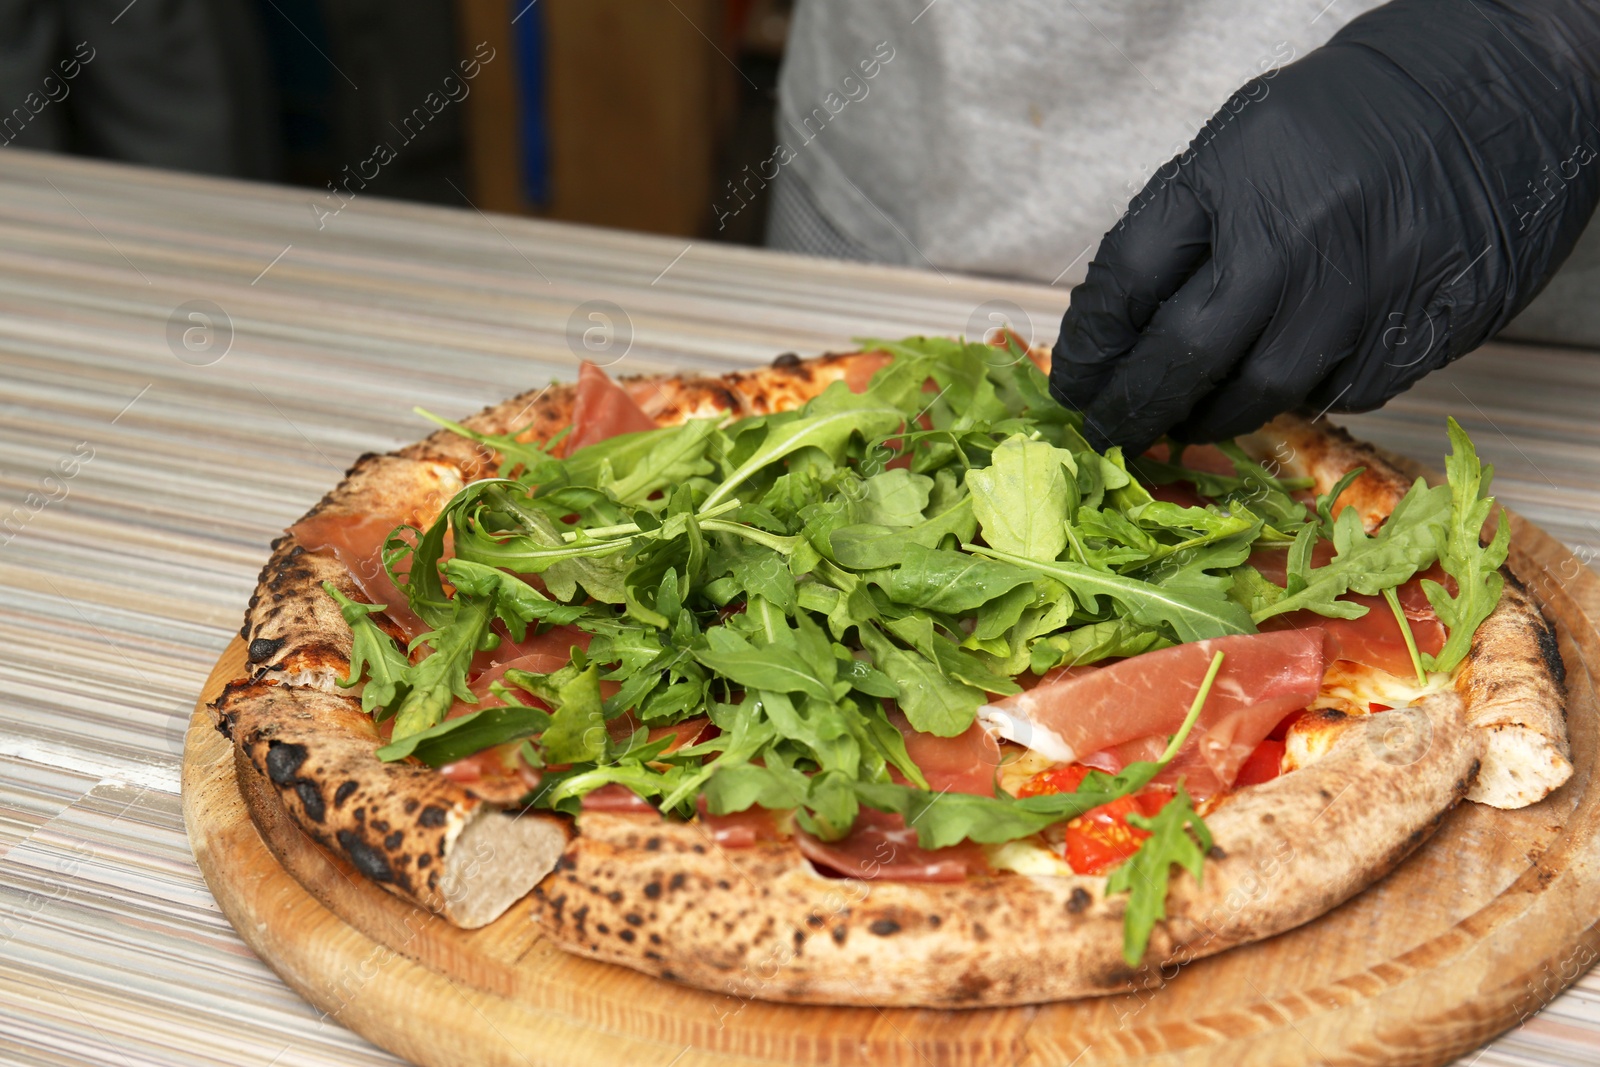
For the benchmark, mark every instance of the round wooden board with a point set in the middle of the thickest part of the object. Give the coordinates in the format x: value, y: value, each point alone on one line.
x: 1481, y: 927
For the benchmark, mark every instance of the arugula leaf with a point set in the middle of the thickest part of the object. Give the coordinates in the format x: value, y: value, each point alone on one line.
x: 1474, y: 566
x: 643, y: 463
x: 1251, y: 591
x: 517, y: 602
x: 894, y: 498
x: 1094, y: 642
x: 563, y: 790
x: 533, y: 548
x: 1025, y: 497
x: 440, y: 678
x: 373, y: 654
x: 424, y: 591
x: 828, y: 432
x: 1192, y: 616
x: 1408, y: 541
x: 1147, y: 874
x: 950, y: 582
x: 1400, y: 619
x: 932, y: 702
x: 1325, y: 501
x: 464, y: 735
x: 1250, y: 485
x: 759, y: 668
x: 577, y: 730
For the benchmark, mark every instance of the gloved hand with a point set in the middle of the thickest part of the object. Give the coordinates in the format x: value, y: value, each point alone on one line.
x: 1344, y: 225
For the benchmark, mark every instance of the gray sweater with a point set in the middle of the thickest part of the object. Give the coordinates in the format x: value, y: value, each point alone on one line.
x: 1006, y: 136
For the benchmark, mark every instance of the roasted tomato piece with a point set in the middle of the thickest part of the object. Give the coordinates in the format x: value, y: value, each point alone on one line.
x: 1101, y: 838
x: 1056, y: 780
x: 1263, y: 765
x: 1281, y: 731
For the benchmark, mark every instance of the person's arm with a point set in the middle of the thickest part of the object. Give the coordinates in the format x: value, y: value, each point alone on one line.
x: 1344, y: 225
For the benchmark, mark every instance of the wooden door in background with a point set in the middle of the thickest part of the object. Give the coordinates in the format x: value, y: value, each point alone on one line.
x: 636, y: 95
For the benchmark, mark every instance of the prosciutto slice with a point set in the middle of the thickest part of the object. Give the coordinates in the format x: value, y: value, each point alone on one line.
x: 881, y: 846
x: 1374, y: 640
x: 965, y: 763
x: 741, y: 829
x: 602, y: 409
x: 357, y: 542
x: 1144, y: 699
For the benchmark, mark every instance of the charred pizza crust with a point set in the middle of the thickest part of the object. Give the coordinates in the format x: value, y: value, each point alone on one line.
x: 760, y: 922
x: 402, y: 825
x: 658, y: 895
x: 292, y: 629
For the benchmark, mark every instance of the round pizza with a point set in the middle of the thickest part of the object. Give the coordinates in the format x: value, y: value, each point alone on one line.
x: 865, y: 679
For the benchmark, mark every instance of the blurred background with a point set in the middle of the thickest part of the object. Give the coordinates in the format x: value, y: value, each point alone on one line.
x: 640, y: 114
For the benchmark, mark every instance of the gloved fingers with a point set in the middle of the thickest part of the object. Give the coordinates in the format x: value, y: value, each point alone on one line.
x: 1301, y: 347
x: 1145, y: 258
x: 1191, y: 343
x: 1395, y: 351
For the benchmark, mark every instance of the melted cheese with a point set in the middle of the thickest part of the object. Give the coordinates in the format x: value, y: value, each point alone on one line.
x: 1351, y: 688
x: 1015, y: 772
x: 1027, y: 855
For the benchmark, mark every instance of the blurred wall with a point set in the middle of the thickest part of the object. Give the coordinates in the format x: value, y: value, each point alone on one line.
x: 626, y: 113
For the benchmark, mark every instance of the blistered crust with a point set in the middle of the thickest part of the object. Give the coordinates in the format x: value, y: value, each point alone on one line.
x: 1513, y: 684
x: 662, y: 897
x: 1293, y: 446
x: 293, y: 631
x: 402, y: 825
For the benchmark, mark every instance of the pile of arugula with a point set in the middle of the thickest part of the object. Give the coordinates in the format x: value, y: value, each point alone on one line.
x: 923, y: 542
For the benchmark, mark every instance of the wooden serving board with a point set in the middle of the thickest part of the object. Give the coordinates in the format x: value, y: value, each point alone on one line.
x: 1493, y: 917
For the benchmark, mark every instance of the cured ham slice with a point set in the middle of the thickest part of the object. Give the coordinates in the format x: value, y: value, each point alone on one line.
x: 602, y: 409
x: 1144, y: 699
x: 859, y: 371
x: 1208, y: 459
x: 499, y: 774
x: 614, y: 797
x: 965, y: 763
x: 1374, y: 640
x: 358, y: 544
x: 741, y: 829
x: 1179, y: 493
x: 881, y: 846
x: 535, y: 653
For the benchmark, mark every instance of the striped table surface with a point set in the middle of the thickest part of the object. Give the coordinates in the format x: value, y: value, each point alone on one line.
x: 187, y: 364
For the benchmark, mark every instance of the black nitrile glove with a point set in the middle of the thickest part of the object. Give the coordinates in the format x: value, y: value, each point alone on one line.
x: 1345, y: 225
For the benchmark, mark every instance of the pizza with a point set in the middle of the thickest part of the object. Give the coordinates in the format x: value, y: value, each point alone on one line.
x: 864, y: 679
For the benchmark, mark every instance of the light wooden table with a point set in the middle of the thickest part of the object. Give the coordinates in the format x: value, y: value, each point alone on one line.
x: 121, y: 581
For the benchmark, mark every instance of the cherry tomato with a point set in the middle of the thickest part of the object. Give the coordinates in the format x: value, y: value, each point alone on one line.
x: 1281, y: 731
x: 1153, y: 798
x: 1055, y: 780
x: 1098, y: 840
x: 1262, y: 765
x: 1101, y: 838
